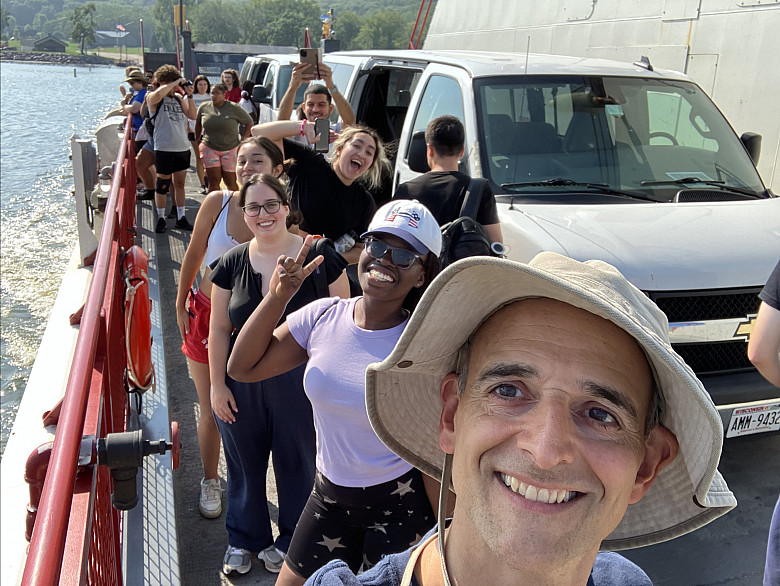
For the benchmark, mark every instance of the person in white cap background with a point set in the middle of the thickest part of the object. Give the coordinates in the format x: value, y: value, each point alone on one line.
x: 549, y: 398
x: 366, y: 501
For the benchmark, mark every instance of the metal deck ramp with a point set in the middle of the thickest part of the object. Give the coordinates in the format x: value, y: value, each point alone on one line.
x: 202, y: 542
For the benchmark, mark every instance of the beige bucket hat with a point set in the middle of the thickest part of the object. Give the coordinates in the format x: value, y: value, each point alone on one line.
x: 137, y: 76
x: 402, y: 392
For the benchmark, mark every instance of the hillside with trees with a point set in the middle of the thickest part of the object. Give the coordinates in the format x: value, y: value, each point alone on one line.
x: 359, y: 24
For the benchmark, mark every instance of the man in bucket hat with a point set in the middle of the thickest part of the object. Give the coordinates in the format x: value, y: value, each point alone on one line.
x: 548, y: 397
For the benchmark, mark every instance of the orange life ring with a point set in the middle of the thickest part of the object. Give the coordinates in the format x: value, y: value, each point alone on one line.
x: 138, y: 322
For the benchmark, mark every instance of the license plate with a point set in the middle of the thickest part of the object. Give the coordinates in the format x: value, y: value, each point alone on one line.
x: 754, y: 419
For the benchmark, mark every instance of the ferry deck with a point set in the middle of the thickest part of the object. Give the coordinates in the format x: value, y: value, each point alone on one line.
x: 179, y: 546
x: 202, y: 542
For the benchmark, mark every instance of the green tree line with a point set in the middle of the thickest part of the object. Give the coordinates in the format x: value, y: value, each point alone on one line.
x: 282, y: 22
x: 359, y: 24
x: 32, y: 19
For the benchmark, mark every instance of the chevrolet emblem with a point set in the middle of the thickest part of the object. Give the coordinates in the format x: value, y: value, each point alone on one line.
x: 745, y: 328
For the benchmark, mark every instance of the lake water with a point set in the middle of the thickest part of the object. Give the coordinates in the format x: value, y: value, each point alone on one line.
x: 42, y: 107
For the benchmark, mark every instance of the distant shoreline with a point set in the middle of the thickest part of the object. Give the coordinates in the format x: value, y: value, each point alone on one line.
x: 56, y: 58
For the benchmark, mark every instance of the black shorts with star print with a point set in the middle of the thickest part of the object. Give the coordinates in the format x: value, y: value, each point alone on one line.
x: 359, y: 525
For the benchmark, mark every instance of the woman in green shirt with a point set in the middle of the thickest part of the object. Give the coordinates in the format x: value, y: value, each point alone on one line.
x: 216, y: 127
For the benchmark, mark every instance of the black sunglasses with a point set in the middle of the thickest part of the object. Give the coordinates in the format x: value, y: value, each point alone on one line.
x: 400, y: 257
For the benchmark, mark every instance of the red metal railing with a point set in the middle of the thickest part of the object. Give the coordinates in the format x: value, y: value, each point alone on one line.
x: 76, y: 538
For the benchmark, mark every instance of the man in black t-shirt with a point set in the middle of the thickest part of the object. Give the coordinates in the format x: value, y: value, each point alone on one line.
x: 443, y: 188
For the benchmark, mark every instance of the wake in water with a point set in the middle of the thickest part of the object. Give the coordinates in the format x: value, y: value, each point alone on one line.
x: 36, y: 204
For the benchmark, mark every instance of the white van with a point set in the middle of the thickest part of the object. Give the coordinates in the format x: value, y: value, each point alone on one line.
x: 597, y: 159
x: 271, y: 75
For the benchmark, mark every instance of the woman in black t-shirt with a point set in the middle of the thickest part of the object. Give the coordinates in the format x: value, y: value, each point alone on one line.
x: 330, y: 191
x: 251, y: 423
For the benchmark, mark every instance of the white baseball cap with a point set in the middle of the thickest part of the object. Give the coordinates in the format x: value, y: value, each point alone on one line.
x: 409, y: 220
x: 402, y: 392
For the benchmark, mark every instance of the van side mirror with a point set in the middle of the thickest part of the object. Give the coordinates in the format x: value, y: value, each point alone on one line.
x: 418, y: 153
x: 752, y: 142
x: 260, y: 95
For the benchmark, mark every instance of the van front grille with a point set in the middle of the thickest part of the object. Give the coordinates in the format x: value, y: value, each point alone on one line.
x: 718, y: 357
x: 715, y: 357
x: 704, y: 305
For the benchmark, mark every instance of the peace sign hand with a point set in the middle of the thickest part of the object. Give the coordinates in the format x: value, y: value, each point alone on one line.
x: 290, y: 273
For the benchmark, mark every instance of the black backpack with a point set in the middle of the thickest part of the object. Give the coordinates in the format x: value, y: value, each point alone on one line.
x: 465, y: 236
x: 149, y: 122
x: 319, y: 277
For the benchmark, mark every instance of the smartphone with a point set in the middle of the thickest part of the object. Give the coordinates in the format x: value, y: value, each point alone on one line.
x: 313, y: 56
x: 322, y: 127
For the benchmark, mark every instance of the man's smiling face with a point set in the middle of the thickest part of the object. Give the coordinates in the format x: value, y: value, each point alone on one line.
x: 317, y: 106
x: 548, y: 436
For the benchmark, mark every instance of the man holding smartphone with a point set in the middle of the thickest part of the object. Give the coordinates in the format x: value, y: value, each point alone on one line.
x: 319, y: 99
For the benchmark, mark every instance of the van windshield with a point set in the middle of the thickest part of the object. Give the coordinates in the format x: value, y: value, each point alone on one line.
x: 652, y: 138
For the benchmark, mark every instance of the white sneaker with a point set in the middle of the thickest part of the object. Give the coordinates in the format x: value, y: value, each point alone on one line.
x: 210, y: 504
x: 273, y: 559
x: 236, y: 559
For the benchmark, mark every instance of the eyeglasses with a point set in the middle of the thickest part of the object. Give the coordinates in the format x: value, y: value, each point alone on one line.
x: 400, y: 257
x: 253, y: 209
